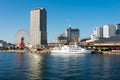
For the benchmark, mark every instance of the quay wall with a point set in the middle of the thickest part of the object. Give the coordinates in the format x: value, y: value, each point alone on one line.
x: 15, y: 51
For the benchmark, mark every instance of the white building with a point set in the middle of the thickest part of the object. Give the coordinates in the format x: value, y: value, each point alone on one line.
x: 108, y: 31
x: 98, y: 32
x: 1, y: 45
x: 38, y: 27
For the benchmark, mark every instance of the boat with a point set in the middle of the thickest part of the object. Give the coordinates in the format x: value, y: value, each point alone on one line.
x: 70, y: 49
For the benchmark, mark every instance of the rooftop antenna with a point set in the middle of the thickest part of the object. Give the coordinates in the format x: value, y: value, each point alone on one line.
x: 69, y: 25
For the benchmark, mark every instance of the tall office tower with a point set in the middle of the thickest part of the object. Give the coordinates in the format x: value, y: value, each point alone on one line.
x: 117, y: 28
x: 38, y: 25
x: 73, y: 34
x: 98, y: 32
x: 108, y: 31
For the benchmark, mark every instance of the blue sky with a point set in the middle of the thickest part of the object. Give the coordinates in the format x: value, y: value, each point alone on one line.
x: 82, y: 14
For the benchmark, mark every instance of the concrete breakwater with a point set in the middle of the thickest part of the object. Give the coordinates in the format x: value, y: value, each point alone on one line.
x: 15, y: 51
x: 46, y: 51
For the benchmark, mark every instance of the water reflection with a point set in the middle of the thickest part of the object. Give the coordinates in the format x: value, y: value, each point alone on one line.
x: 19, y: 66
x: 81, y: 67
x: 69, y: 55
x: 98, y: 66
x: 30, y: 66
x: 106, y: 68
x: 36, y: 67
x: 63, y: 66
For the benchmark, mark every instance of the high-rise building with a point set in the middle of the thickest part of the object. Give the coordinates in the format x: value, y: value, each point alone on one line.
x: 117, y: 28
x: 98, y: 32
x: 38, y: 26
x: 73, y: 34
x: 108, y: 31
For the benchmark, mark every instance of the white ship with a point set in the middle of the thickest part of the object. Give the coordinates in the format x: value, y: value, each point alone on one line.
x: 70, y: 49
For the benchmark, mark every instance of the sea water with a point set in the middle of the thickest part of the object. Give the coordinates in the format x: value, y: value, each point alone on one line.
x: 29, y: 66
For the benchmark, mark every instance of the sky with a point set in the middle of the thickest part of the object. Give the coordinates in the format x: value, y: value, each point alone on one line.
x: 82, y: 14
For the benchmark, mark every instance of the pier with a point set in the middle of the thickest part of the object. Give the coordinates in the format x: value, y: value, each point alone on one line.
x: 105, y: 48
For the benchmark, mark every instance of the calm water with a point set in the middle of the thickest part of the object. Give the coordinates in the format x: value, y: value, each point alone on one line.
x: 15, y: 66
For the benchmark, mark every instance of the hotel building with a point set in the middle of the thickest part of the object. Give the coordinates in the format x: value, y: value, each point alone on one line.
x: 38, y: 27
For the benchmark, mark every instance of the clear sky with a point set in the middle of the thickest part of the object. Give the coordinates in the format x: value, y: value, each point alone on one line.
x: 82, y: 14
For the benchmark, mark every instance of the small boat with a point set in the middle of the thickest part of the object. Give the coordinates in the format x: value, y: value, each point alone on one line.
x: 70, y: 49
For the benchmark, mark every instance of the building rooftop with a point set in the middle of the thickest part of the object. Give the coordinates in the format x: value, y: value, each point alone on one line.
x: 111, y: 39
x: 40, y: 8
x: 72, y: 28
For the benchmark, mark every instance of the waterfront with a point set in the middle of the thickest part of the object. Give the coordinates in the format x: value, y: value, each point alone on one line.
x: 27, y: 66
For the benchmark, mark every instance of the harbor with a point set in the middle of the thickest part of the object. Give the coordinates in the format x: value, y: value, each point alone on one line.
x: 98, y: 48
x: 60, y: 40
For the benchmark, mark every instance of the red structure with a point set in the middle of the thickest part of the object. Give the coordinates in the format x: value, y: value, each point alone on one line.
x: 22, y: 44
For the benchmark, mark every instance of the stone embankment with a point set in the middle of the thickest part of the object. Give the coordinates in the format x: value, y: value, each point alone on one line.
x: 14, y: 51
x: 45, y: 51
